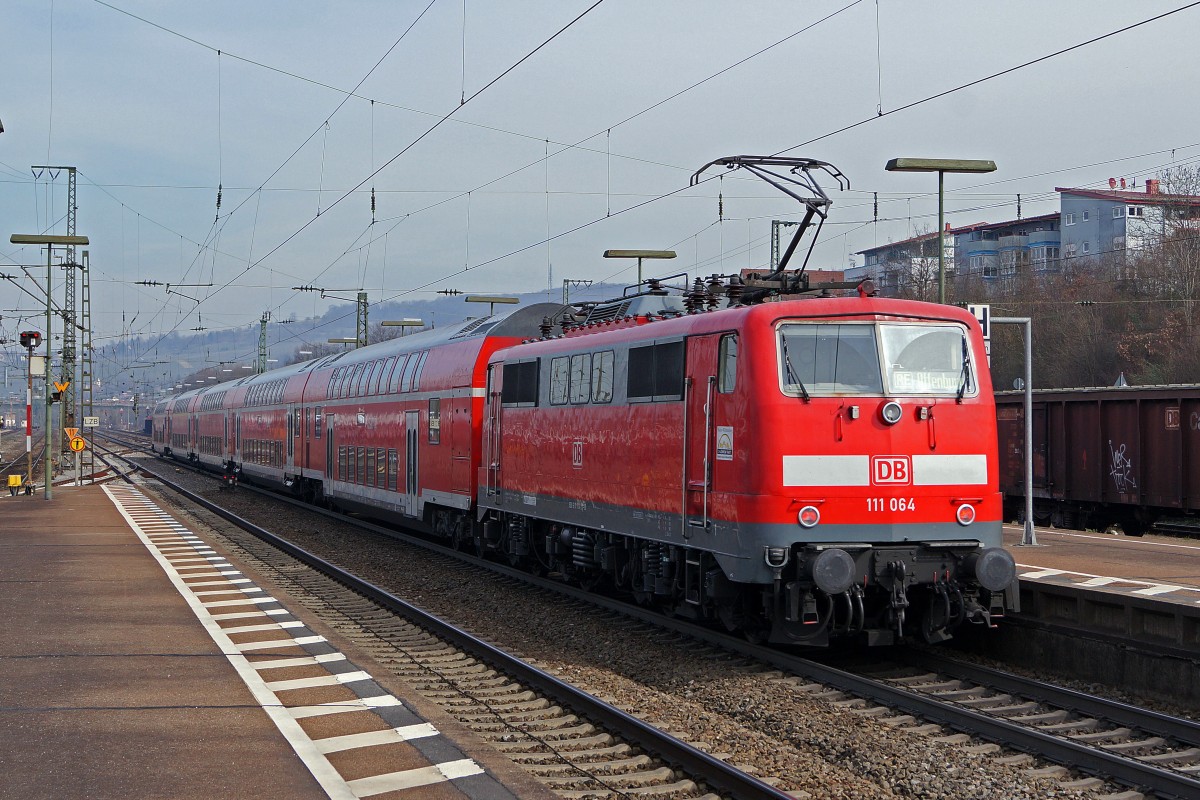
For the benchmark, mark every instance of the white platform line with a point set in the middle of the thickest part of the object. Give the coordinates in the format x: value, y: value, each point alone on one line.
x: 246, y: 601
x: 268, y: 626
x: 1157, y: 589
x: 1045, y: 573
x: 332, y: 679
x: 298, y: 661
x: 267, y: 645
x: 353, y: 741
x: 274, y: 612
x: 344, y: 706
x: 219, y: 583
x: 412, y: 778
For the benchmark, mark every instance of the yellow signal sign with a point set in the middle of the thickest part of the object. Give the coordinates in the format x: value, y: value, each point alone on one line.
x: 62, y: 387
x: 78, y: 444
x: 71, y: 433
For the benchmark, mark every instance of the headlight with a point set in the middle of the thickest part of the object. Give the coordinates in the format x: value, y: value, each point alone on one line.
x: 891, y: 412
x: 965, y: 514
x: 808, y: 516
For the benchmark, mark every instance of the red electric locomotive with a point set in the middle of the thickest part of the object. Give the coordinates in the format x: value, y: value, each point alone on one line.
x: 802, y: 470
x: 797, y: 469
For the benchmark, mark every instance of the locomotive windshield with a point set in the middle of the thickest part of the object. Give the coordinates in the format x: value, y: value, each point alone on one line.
x: 862, y: 358
x: 927, y: 359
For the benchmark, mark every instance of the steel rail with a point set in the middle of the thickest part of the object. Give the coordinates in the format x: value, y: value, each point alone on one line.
x: 717, y: 774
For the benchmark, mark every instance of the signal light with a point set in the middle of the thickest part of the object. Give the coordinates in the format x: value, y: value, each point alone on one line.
x: 30, y: 339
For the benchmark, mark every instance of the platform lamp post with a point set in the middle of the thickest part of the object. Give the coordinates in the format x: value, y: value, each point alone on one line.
x: 491, y: 301
x: 941, y: 166
x: 639, y: 255
x: 407, y: 322
x: 29, y: 340
x: 48, y: 240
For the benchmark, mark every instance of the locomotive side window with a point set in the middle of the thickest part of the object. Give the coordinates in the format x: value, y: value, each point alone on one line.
x: 927, y: 359
x: 581, y: 377
x: 727, y: 369
x: 560, y: 371
x: 520, y: 384
x: 602, y: 377
x: 656, y: 372
x: 829, y: 358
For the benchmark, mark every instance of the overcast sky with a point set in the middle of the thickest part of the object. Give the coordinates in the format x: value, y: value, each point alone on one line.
x: 135, y: 95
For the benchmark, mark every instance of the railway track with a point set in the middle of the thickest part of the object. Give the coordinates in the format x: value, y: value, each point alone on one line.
x: 970, y: 707
x: 574, y: 742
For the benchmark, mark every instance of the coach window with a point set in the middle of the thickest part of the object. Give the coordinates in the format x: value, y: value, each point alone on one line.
x: 602, y: 377
x: 392, y: 468
x: 360, y: 381
x: 317, y: 422
x: 727, y: 370
x: 362, y: 466
x: 380, y: 467
x: 370, y: 468
x: 560, y: 370
x: 397, y: 373
x: 385, y: 379
x: 581, y: 377
x: 435, y: 420
x: 419, y: 371
x: 410, y: 367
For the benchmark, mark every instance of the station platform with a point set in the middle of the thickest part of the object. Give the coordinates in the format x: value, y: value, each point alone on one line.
x: 1165, y: 568
x: 136, y: 661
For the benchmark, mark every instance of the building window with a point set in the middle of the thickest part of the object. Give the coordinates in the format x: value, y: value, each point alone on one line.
x: 1118, y: 243
x: 1085, y: 215
x: 1118, y: 212
x: 1135, y: 211
x: 1068, y: 219
x: 1087, y: 246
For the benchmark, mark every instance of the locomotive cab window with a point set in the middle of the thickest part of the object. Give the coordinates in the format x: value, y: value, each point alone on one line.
x: 829, y: 358
x: 927, y: 359
x: 727, y: 370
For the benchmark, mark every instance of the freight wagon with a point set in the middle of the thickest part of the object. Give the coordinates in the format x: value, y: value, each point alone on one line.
x: 1102, y: 457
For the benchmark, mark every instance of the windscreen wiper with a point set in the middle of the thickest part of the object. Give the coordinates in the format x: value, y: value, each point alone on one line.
x: 965, y: 378
x: 791, y: 372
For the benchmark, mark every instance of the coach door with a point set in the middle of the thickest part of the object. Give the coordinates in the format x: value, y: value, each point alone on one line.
x: 330, y: 450
x: 293, y: 430
x: 491, y: 449
x: 412, y: 429
x: 699, y: 385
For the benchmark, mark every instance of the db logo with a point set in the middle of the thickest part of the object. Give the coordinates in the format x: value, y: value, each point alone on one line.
x: 890, y: 470
x: 577, y: 454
